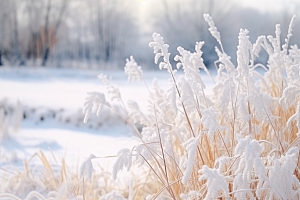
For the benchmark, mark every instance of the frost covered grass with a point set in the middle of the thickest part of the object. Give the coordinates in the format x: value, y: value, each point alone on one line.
x: 52, y: 182
x: 241, y: 141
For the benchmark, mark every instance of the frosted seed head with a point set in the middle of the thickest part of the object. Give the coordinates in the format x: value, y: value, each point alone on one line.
x: 94, y: 100
x: 212, y: 29
x: 86, y: 167
x: 134, y: 72
x: 124, y: 159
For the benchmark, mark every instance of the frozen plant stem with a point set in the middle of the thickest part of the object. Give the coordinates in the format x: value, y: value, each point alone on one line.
x: 162, y: 151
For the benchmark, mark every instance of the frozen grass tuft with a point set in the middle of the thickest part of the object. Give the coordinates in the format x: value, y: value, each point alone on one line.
x: 240, y: 142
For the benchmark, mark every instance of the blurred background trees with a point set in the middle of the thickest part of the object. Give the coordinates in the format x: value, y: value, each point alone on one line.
x: 103, y: 33
x: 183, y: 24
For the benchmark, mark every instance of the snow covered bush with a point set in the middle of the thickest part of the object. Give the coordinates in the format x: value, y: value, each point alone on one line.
x: 11, y: 117
x: 241, y: 141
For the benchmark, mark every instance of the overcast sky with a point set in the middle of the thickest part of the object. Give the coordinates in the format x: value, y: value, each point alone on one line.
x: 262, y: 5
x: 268, y: 5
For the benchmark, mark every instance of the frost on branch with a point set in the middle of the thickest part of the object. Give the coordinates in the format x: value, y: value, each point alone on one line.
x: 291, y: 26
x: 257, y: 45
x: 142, y: 154
x: 112, y: 90
x: 290, y: 96
x: 86, y: 167
x: 191, y: 64
x: 240, y: 184
x: 250, y: 162
x: 293, y: 71
x: 94, y: 100
x: 136, y: 114
x: 225, y: 64
x: 296, y: 117
x: 212, y: 28
x: 289, y: 35
x: 124, y: 159
x: 215, y: 182
x: 191, y: 148
x: 187, y: 95
x: 210, y: 121
x: 256, y: 101
x: 134, y: 72
x: 160, y: 50
x: 192, y: 195
x: 224, y: 92
x: 243, y: 55
x: 282, y: 180
x: 168, y: 105
x: 114, y: 195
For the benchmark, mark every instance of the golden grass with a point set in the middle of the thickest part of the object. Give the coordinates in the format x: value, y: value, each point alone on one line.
x: 43, y: 181
x: 161, y: 176
x: 158, y: 177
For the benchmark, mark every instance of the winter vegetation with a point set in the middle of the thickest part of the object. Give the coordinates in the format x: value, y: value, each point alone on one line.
x: 238, y: 141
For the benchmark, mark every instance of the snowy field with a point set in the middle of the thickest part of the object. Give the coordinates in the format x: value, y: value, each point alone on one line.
x: 52, y: 100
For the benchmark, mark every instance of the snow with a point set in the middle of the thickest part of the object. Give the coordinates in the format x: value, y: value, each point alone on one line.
x: 73, y: 145
x: 66, y: 89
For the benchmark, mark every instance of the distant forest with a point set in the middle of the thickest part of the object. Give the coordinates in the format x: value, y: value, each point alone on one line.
x: 103, y: 33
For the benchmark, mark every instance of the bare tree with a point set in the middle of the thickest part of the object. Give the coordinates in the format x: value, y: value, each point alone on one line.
x: 46, y: 48
x: 104, y: 31
x: 115, y: 24
x: 34, y: 11
x: 2, y: 16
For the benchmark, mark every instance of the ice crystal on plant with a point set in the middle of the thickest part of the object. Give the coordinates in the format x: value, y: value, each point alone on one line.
x: 290, y: 95
x: 296, y: 117
x: 256, y: 116
x: 132, y: 69
x: 114, y: 195
x: 142, y: 154
x: 212, y: 28
x: 281, y: 177
x: 191, y: 147
x: 170, y: 106
x: 240, y: 184
x: 124, y: 159
x: 112, y: 90
x: 243, y: 55
x: 86, y: 167
x: 191, y: 64
x: 192, y: 195
x: 210, y: 121
x: 249, y: 152
x: 215, y: 182
x: 136, y: 114
x: 160, y: 50
x: 257, y: 45
x: 94, y: 100
x: 187, y: 94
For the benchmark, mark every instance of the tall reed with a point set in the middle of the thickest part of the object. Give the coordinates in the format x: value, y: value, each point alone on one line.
x: 239, y: 142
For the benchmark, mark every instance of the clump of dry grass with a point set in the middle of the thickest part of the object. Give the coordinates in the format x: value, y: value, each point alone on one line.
x: 44, y: 180
x: 240, y: 142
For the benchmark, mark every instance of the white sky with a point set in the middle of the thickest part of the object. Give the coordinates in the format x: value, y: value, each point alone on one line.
x: 267, y: 5
x: 262, y: 5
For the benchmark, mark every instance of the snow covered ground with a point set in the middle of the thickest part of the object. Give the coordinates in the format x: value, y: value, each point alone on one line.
x: 48, y: 91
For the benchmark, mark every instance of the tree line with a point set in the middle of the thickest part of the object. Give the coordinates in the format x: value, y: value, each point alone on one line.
x: 85, y: 33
